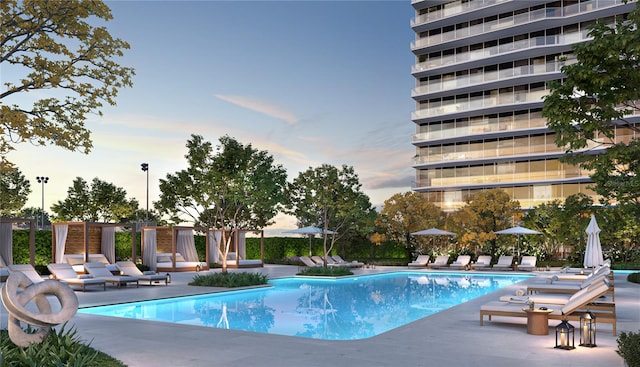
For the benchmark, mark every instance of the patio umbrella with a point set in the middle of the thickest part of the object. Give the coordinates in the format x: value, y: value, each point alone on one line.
x: 433, y: 232
x: 518, y: 231
x: 593, y: 254
x: 310, y: 231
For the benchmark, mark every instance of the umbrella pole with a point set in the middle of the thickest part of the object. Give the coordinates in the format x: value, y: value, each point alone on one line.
x: 310, y: 245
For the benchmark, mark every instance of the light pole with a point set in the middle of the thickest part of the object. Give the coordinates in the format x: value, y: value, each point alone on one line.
x: 145, y: 168
x: 42, y: 180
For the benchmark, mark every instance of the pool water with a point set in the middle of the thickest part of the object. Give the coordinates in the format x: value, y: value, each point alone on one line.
x: 330, y: 309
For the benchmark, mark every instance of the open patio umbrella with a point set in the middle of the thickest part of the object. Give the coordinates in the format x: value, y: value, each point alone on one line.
x: 518, y: 231
x: 433, y: 232
x: 593, y: 253
x: 310, y: 231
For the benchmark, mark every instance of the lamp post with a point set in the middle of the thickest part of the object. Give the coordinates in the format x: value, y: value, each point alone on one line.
x: 42, y: 180
x: 145, y: 168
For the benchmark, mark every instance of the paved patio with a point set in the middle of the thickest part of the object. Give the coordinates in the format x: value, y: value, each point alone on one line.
x: 450, y: 337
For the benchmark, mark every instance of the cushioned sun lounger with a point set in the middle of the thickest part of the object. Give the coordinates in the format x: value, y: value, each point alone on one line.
x: 65, y: 273
x: 99, y: 271
x: 27, y: 270
x: 504, y: 263
x: 483, y: 262
x: 308, y: 262
x: 350, y: 264
x: 130, y: 269
x: 461, y: 262
x: 440, y: 262
x: 528, y: 263
x: 420, y: 262
x: 586, y: 300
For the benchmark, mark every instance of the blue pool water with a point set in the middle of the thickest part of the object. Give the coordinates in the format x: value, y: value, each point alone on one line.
x: 331, y: 309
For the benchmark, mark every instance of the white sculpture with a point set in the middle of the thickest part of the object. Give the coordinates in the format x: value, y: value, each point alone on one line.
x: 15, y: 301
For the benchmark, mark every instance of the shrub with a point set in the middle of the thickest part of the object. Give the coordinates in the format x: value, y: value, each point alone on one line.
x: 633, y: 278
x: 59, y: 348
x: 229, y: 280
x: 326, y: 272
x: 629, y: 348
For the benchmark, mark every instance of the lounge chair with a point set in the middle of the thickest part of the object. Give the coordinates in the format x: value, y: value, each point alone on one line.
x: 550, y: 298
x: 318, y: 260
x: 528, y: 263
x: 65, y: 273
x: 504, y: 263
x: 420, y: 262
x: 461, y: 263
x: 130, y: 269
x: 569, y: 286
x: 440, y: 262
x: 99, y: 271
x: 483, y: 262
x: 308, y: 262
x: 27, y: 270
x: 571, y: 310
x: 351, y: 264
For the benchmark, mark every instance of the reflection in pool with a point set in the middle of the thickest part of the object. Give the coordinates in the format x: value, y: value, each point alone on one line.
x: 332, y: 309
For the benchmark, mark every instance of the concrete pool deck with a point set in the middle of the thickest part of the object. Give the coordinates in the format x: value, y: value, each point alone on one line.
x: 450, y: 337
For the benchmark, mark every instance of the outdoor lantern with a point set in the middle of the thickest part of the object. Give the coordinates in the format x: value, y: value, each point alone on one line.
x: 565, y: 336
x: 168, y: 278
x: 588, y: 330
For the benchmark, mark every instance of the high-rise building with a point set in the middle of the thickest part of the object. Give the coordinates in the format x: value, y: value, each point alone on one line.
x: 482, y: 68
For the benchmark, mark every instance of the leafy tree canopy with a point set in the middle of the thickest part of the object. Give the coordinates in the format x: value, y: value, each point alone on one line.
x: 51, y: 45
x: 408, y: 212
x: 232, y: 187
x: 332, y: 199
x: 592, y: 107
x: 99, y: 202
x: 14, y: 191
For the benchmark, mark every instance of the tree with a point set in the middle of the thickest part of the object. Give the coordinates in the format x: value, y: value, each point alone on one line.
x: 485, y: 213
x: 330, y: 198
x: 36, y: 213
x: 14, y: 191
x: 49, y: 45
x: 235, y: 187
x: 100, y: 202
x: 593, y: 105
x: 408, y: 212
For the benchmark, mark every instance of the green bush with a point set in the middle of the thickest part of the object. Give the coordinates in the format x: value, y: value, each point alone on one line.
x: 59, y: 348
x: 326, y: 272
x: 229, y: 280
x: 629, y: 348
x: 633, y: 277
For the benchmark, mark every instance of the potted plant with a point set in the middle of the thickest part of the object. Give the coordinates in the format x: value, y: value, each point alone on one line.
x: 629, y: 348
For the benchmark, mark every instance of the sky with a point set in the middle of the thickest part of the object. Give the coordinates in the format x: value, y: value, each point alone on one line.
x: 311, y: 82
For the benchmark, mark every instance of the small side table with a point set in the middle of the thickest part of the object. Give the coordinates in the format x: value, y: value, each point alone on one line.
x: 537, y: 321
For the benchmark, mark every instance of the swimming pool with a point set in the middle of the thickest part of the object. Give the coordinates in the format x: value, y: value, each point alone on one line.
x: 330, y: 309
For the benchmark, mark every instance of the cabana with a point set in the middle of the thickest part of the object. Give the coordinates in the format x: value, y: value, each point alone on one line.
x: 237, y: 256
x: 172, y: 249
x: 77, y: 243
x: 6, y: 242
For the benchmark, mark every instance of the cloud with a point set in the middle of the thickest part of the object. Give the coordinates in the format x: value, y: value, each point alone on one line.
x: 263, y: 107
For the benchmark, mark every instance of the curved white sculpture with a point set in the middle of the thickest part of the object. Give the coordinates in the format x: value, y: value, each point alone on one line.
x: 15, y: 301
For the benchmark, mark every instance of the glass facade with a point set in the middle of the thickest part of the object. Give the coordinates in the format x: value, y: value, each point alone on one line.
x: 482, y: 68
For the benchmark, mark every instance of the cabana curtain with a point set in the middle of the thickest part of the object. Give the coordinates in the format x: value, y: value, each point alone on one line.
x: 61, y: 240
x: 6, y: 243
x: 242, y: 245
x: 186, y: 245
x: 214, y: 246
x: 108, y: 243
x: 149, y: 249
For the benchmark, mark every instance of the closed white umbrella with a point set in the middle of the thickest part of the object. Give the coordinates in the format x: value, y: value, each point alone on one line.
x: 593, y: 254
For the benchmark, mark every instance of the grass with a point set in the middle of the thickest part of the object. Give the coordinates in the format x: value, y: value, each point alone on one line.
x: 229, y: 280
x: 58, y: 349
x: 326, y: 272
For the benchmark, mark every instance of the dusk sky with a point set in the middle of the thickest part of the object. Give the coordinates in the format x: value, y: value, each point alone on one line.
x: 311, y: 82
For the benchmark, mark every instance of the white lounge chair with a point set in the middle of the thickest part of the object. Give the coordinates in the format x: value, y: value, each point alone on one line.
x: 100, y: 271
x: 483, y: 262
x: 420, y: 262
x: 504, y: 263
x: 65, y: 273
x: 461, y: 262
x: 440, y: 262
x: 308, y: 262
x: 130, y: 269
x: 571, y: 310
x: 27, y: 270
x: 352, y: 264
x: 528, y: 263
